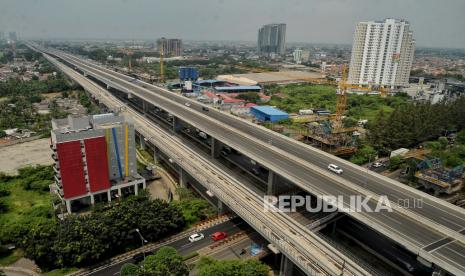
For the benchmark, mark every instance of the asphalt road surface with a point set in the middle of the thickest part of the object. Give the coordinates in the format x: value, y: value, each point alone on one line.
x: 184, y: 246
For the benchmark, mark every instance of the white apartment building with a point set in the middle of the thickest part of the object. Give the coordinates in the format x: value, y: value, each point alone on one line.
x: 297, y: 56
x: 382, y: 53
x: 301, y: 55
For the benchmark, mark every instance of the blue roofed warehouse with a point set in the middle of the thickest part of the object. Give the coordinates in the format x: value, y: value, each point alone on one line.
x: 268, y: 114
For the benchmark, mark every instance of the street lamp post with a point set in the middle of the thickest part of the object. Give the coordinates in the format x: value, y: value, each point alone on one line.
x: 144, y: 241
x: 368, y: 168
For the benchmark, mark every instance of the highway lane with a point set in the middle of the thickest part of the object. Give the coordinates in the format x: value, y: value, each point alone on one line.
x: 411, y: 232
x: 184, y: 246
x: 310, y: 247
x: 433, y: 209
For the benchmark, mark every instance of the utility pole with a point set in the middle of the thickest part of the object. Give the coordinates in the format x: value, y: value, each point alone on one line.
x: 162, y: 69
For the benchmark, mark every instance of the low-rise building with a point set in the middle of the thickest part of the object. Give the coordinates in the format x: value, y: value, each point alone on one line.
x: 95, y: 159
x: 268, y: 114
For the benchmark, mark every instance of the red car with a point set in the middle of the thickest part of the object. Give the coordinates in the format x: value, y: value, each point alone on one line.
x: 219, y: 236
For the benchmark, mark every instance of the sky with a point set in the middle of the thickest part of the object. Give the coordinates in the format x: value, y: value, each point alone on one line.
x: 435, y: 23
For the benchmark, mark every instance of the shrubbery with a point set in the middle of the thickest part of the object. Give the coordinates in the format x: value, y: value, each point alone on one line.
x: 85, y: 240
x: 208, y: 266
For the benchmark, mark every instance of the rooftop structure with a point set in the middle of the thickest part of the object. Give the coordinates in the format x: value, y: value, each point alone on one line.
x: 239, y: 88
x: 95, y: 159
x: 281, y: 77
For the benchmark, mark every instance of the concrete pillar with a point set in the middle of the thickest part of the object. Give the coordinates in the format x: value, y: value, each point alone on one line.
x: 176, y: 124
x: 92, y: 199
x: 333, y: 227
x: 68, y: 206
x: 142, y: 142
x: 287, y: 267
x: 215, y: 148
x: 272, y: 187
x: 221, y: 208
x: 109, y: 195
x: 119, y: 192
x: 183, y: 178
x: 145, y: 107
x: 155, y: 157
x: 136, y: 189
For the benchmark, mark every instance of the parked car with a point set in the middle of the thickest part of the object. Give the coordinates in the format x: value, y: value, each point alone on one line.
x: 196, y: 237
x: 219, y: 236
x: 377, y: 165
x: 205, y: 108
x: 335, y: 168
x: 187, y: 104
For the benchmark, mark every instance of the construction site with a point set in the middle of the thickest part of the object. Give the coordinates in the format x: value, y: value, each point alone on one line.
x: 325, y: 130
x: 432, y: 176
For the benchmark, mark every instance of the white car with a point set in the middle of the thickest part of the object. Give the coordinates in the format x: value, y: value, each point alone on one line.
x: 335, y: 168
x: 196, y: 237
x: 377, y: 165
x: 187, y: 104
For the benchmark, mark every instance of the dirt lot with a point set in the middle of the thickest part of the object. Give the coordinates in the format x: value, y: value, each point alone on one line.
x: 36, y: 152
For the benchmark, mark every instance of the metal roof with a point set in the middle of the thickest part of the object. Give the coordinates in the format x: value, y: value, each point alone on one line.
x: 269, y: 110
x: 239, y: 87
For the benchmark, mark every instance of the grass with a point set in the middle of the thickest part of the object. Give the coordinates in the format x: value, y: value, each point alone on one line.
x: 291, y: 98
x: 28, y: 202
x: 11, y: 258
x: 22, y: 204
x: 60, y: 272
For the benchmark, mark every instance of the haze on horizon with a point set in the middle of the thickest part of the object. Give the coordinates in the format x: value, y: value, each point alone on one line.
x: 434, y: 23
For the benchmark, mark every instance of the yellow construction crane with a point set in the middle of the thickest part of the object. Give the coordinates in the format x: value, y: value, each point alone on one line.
x: 341, y: 104
x: 162, y: 69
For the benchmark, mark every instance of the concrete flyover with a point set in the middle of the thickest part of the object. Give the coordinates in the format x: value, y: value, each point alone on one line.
x: 300, y: 245
x: 434, y: 232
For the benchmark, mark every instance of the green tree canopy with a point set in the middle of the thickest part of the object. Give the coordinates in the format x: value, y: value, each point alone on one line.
x: 129, y: 269
x: 208, y: 266
x: 166, y: 261
x: 364, y: 154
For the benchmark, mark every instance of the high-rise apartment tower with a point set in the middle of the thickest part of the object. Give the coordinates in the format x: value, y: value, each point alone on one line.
x: 172, y: 47
x: 382, y: 53
x: 272, y: 39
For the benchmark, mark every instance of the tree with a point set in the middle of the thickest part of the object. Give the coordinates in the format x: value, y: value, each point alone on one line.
x: 85, y: 240
x: 129, y: 269
x: 411, y: 124
x: 249, y: 97
x: 443, y: 141
x: 363, y: 155
x: 394, y: 163
x: 2, y: 134
x: 461, y: 137
x: 208, y: 266
x: 166, y: 261
x: 350, y: 122
x: 3, y: 207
